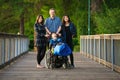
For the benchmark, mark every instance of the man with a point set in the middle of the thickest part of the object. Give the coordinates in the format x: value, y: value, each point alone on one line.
x: 53, y: 23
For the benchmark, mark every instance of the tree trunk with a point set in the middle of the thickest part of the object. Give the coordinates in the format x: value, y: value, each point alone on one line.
x: 68, y: 4
x: 22, y: 24
x: 35, y: 49
x: 96, y: 5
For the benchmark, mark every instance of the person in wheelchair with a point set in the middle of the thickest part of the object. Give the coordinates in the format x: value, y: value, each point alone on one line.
x: 54, y: 40
x: 59, y: 51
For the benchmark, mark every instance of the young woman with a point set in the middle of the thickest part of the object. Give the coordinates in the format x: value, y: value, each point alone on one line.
x: 40, y: 39
x: 68, y: 32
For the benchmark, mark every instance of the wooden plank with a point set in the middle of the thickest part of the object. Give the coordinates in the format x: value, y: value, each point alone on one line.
x: 108, y: 64
x: 24, y: 68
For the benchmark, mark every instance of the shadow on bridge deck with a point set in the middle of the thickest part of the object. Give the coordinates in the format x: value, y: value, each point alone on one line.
x: 24, y: 68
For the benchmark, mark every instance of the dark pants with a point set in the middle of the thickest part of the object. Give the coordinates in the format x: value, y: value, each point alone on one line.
x: 40, y: 53
x: 71, y: 55
x: 71, y: 59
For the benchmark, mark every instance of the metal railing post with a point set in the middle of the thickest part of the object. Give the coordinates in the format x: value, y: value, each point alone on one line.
x: 0, y: 50
x: 94, y: 48
x: 99, y: 51
x: 90, y: 47
x: 87, y: 46
x: 80, y: 45
x: 3, y: 51
x: 112, y: 53
x: 104, y: 50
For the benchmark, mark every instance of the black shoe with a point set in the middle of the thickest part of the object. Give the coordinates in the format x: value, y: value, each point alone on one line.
x: 72, y: 66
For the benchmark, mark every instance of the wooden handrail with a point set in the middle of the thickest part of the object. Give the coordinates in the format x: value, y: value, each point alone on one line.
x: 11, y: 35
x: 101, y: 36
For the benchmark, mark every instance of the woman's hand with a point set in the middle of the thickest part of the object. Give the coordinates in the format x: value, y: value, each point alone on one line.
x: 73, y: 36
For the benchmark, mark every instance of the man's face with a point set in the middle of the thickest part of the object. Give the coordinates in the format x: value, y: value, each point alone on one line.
x: 52, y: 13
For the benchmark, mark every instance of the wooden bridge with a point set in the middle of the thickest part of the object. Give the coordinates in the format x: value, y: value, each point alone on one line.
x: 17, y: 63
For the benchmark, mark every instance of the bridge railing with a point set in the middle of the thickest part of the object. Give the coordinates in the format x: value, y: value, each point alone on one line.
x: 103, y: 48
x: 12, y: 46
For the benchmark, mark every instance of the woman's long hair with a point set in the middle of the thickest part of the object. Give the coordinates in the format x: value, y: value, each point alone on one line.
x: 63, y: 21
x: 38, y: 19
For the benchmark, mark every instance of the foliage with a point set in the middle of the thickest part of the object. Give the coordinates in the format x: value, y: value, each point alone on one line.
x: 104, y: 21
x: 107, y: 21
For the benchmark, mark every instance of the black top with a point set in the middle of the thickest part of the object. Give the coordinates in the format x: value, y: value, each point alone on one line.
x: 67, y: 33
x: 40, y: 37
x: 68, y: 36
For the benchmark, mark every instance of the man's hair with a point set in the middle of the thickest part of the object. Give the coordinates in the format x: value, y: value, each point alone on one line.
x: 51, y: 9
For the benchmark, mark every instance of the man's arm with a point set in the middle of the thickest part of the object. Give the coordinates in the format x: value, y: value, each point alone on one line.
x: 59, y: 29
x: 46, y: 25
x: 47, y: 30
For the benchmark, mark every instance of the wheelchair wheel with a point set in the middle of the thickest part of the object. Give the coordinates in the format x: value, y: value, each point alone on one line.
x: 47, y: 59
x: 66, y: 65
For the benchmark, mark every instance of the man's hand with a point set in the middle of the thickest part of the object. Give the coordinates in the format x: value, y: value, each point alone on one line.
x: 58, y: 34
x: 47, y: 35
